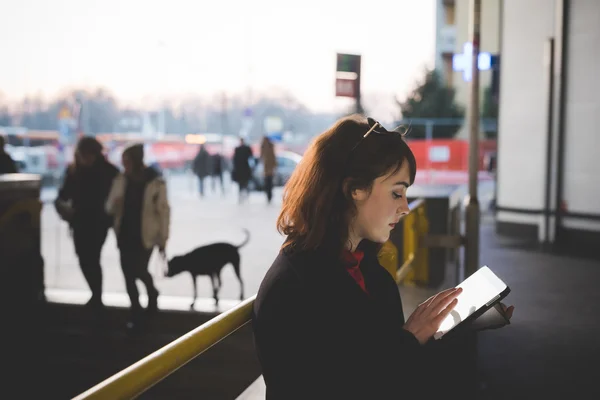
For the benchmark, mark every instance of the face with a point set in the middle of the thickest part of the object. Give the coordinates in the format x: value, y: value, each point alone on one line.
x: 127, y: 164
x: 379, y: 210
x: 86, y: 160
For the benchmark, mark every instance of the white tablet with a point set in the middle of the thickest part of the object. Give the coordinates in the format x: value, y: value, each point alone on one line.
x: 482, y: 290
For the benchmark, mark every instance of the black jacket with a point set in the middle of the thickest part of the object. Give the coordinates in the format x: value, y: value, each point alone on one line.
x: 319, y: 335
x: 242, y: 172
x: 87, y: 190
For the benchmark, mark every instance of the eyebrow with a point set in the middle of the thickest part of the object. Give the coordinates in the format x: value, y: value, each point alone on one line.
x: 402, y: 183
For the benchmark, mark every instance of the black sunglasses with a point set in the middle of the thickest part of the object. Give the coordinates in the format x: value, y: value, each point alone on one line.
x: 375, y: 126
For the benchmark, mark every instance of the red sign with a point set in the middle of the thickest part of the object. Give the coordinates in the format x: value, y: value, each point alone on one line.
x: 345, y: 87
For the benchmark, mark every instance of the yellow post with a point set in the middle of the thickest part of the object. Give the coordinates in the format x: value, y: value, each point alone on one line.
x: 421, y: 263
x: 409, y: 246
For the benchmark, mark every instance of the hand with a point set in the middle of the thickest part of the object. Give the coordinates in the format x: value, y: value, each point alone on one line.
x: 494, y: 318
x: 508, y: 311
x: 427, y: 318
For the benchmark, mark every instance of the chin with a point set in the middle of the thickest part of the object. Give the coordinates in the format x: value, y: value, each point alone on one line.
x: 381, y: 238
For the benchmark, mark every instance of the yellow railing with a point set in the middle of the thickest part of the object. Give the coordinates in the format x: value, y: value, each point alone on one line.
x: 141, y: 376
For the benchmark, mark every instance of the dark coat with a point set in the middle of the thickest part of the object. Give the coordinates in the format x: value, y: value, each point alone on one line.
x: 242, y: 172
x: 87, y: 190
x: 319, y: 335
x: 202, y: 163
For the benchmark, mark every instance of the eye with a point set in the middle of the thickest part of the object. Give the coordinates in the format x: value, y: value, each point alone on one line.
x: 396, y: 195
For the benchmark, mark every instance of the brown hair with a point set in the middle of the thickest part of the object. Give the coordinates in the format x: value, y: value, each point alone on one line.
x: 317, y: 202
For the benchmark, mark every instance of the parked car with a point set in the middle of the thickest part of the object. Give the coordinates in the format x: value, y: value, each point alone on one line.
x: 286, y: 163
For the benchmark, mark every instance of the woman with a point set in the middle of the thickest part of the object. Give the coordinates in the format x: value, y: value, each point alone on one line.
x: 138, y: 202
x: 328, y: 319
x: 267, y: 155
x: 80, y: 202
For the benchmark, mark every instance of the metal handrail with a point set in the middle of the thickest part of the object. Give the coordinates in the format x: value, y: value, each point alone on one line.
x: 141, y: 376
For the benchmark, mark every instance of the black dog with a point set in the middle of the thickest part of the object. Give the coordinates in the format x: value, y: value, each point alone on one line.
x: 209, y: 260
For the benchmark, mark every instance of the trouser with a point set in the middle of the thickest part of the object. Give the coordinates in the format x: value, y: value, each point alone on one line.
x: 243, y: 189
x: 214, y: 182
x: 201, y: 185
x: 88, y: 246
x: 134, y: 263
x: 269, y: 187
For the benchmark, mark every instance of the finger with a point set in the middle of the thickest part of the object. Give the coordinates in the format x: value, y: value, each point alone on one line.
x: 443, y: 298
x: 443, y: 293
x: 444, y: 313
x: 427, y: 302
x: 509, y: 312
x: 443, y: 303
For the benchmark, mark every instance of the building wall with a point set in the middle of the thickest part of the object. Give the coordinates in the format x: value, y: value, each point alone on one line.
x: 445, y: 34
x: 523, y: 106
x: 581, y: 189
x: 525, y: 129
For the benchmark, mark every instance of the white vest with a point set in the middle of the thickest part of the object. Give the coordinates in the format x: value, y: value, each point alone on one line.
x: 156, y: 212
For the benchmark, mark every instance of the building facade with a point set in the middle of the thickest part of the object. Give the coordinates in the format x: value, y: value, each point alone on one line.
x: 548, y: 183
x: 452, y: 50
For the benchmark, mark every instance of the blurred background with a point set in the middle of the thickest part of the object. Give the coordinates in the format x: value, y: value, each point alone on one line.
x: 177, y: 75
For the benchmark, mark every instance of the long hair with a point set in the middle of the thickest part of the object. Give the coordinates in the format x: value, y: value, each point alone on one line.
x: 317, y: 202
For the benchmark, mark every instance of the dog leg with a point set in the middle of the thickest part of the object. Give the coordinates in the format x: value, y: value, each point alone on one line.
x: 236, y: 268
x: 213, y: 279
x: 195, y: 293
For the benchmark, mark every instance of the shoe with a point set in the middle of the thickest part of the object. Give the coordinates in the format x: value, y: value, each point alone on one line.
x: 94, y: 304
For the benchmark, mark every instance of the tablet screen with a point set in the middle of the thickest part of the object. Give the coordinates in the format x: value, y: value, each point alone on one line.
x: 478, y: 289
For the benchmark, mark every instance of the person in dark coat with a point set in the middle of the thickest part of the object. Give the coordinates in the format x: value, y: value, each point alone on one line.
x: 217, y: 172
x: 242, y: 171
x: 80, y: 202
x: 7, y: 164
x: 202, y: 167
x: 328, y: 319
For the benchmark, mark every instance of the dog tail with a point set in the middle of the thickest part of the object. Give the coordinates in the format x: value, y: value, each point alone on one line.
x: 247, y: 232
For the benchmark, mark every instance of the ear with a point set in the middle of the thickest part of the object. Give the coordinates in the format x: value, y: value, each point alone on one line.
x: 360, y: 195
x: 357, y: 194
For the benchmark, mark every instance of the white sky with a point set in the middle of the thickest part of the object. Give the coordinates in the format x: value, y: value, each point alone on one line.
x: 211, y: 45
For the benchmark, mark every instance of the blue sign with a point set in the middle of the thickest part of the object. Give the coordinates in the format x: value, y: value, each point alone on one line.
x: 462, y: 62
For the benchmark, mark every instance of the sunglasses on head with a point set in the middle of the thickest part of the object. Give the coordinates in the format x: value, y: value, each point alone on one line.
x: 376, y: 127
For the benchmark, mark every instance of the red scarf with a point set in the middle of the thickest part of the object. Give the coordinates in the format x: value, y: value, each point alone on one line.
x: 352, y: 264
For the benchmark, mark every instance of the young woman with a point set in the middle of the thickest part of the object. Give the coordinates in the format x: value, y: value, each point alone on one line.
x: 138, y: 201
x: 328, y: 319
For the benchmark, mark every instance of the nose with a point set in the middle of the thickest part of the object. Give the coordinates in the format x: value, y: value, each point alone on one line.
x: 403, y: 209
